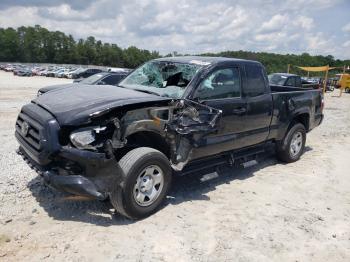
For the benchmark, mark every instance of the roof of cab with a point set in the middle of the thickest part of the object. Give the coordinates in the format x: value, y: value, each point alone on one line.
x: 202, y: 60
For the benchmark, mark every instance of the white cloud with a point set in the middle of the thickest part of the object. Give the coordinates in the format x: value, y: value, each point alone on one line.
x: 304, y: 22
x: 187, y: 26
x: 347, y: 44
x: 277, y: 22
x: 346, y: 28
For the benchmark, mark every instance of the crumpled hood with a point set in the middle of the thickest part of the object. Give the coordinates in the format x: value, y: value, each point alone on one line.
x: 73, y: 105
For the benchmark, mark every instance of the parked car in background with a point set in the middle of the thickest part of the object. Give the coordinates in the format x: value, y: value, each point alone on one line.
x: 52, y: 72
x: 103, y: 78
x: 85, y: 73
x: 21, y: 70
x: 292, y: 80
x: 42, y: 72
x: 35, y: 70
x: 9, y: 68
x: 60, y: 73
x: 330, y: 85
x: 68, y: 73
x: 75, y: 71
x: 24, y: 71
x: 15, y: 69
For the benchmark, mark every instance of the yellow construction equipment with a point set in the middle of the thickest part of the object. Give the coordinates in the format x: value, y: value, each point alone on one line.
x: 344, y: 82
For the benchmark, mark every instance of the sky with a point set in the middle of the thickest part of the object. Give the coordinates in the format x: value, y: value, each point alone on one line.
x: 319, y: 27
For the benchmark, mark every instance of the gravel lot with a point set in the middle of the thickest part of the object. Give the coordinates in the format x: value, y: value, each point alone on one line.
x: 268, y: 212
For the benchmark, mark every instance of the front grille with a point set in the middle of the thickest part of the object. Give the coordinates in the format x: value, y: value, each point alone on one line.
x: 32, y: 136
x: 37, y: 133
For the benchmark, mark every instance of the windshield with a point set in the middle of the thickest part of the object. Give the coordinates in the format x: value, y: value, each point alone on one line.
x: 91, y: 79
x: 164, y: 78
x: 277, y: 79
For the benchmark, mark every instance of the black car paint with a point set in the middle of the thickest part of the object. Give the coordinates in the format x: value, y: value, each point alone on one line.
x: 84, y: 100
x: 297, y: 80
x: 100, y: 81
x: 184, y: 129
x: 86, y: 73
x: 105, y: 78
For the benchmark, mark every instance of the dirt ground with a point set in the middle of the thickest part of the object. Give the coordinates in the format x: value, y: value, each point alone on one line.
x: 268, y: 212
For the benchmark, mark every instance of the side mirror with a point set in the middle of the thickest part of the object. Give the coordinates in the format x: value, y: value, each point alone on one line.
x: 101, y: 83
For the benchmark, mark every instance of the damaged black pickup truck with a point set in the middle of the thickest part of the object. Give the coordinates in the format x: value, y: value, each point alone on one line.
x: 170, y: 116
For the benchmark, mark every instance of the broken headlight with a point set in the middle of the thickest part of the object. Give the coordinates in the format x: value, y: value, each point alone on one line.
x: 84, y: 138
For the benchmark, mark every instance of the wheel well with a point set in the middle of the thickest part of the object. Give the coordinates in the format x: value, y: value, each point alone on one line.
x: 145, y: 139
x: 303, y: 119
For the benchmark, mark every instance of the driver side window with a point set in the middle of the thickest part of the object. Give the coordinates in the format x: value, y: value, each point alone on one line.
x: 222, y: 83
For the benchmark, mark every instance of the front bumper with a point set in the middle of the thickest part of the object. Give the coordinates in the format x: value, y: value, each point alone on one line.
x: 79, y: 172
x: 68, y: 169
x: 74, y: 184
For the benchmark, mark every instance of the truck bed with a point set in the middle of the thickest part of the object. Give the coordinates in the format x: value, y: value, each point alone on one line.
x: 282, y: 89
x: 290, y: 101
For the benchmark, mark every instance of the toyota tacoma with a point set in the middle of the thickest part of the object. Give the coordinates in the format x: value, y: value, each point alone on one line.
x: 170, y: 116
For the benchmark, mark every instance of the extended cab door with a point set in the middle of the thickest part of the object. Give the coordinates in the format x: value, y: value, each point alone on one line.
x: 222, y: 89
x: 256, y: 91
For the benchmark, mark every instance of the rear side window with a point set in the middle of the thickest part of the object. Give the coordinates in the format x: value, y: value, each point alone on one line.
x: 256, y: 82
x: 222, y: 83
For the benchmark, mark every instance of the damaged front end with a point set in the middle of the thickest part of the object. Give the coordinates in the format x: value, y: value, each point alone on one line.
x: 84, y: 167
x: 84, y: 160
x: 183, y: 125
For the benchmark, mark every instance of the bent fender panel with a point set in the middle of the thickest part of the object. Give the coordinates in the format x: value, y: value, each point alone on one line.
x: 190, y: 124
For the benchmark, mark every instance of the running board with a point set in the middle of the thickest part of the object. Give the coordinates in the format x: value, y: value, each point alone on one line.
x: 245, y: 157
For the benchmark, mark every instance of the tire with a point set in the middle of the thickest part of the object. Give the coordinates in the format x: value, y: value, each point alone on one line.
x: 139, y: 195
x: 347, y: 90
x: 292, y: 146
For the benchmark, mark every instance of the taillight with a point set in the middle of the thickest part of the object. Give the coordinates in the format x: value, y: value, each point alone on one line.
x: 322, y: 103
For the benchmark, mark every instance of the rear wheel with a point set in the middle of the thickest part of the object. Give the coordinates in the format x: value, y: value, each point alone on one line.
x: 146, y: 181
x: 292, y: 146
x: 347, y: 90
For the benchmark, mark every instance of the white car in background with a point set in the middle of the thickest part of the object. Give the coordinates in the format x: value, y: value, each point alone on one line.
x: 74, y: 71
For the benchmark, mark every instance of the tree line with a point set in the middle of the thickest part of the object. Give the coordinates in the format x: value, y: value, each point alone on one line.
x: 279, y: 63
x: 39, y: 45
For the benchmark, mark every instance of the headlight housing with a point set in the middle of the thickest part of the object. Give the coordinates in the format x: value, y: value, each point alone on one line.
x: 83, y: 138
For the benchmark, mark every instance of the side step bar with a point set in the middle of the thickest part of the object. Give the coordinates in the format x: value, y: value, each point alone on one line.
x: 245, y: 157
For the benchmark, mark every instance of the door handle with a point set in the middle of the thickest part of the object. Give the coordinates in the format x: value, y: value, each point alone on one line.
x: 239, y: 111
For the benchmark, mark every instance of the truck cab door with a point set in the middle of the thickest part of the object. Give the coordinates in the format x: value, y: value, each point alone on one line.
x: 221, y: 90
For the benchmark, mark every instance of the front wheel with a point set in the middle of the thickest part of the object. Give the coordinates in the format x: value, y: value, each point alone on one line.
x: 292, y: 146
x: 146, y: 181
